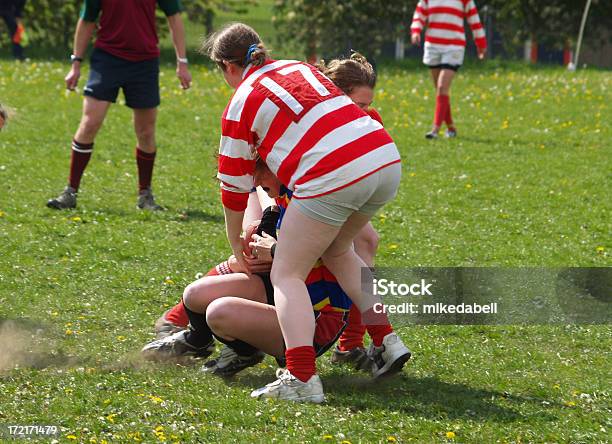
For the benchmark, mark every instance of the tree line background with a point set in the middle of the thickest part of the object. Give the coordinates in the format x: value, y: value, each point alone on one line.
x: 321, y: 27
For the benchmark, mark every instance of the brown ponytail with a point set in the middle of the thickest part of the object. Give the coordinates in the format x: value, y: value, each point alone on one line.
x: 233, y: 43
x: 350, y: 73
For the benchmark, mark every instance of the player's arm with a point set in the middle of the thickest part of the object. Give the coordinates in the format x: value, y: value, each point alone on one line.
x: 473, y: 19
x: 172, y: 9
x: 418, y: 22
x: 82, y: 36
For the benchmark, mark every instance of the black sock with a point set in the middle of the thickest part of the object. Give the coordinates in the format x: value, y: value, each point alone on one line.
x: 200, y: 334
x: 240, y: 347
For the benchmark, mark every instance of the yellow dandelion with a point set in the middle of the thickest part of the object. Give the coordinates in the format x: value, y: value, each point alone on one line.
x: 69, y: 332
x: 468, y: 185
x: 169, y: 281
x: 450, y: 435
x: 328, y: 437
x: 600, y: 249
x: 71, y: 437
x: 393, y: 247
x: 76, y: 219
x: 345, y: 442
x: 156, y: 400
x: 391, y: 439
x: 2, y: 214
x: 111, y: 417
x: 121, y: 338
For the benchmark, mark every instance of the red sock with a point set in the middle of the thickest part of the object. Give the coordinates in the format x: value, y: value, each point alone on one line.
x: 177, y: 315
x: 352, y: 336
x: 378, y: 333
x: 81, y: 153
x: 449, y: 118
x: 145, y: 162
x: 442, y: 104
x: 301, y: 362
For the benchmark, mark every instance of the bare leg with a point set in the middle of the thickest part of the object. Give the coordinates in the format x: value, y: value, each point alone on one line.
x: 309, y: 237
x: 313, y: 239
x: 444, y: 82
x: 253, y: 322
x: 199, y: 294
x: 435, y: 74
x: 366, y: 244
x: 94, y: 113
x: 346, y: 265
x: 443, y: 86
x: 144, y: 127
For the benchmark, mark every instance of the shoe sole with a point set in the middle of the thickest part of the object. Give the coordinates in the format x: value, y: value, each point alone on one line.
x: 58, y: 206
x: 315, y: 399
x: 393, y: 367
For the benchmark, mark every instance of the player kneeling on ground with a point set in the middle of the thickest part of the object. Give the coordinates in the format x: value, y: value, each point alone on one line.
x: 247, y: 321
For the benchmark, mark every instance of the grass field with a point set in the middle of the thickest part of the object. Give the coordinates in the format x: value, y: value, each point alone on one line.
x: 525, y: 183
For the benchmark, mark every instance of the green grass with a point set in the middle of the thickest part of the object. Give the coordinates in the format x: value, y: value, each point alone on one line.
x: 526, y: 183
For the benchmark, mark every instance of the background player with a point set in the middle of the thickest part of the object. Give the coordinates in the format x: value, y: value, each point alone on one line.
x: 125, y: 56
x: 445, y: 49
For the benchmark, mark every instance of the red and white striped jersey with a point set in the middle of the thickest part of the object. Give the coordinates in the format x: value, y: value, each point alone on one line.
x: 311, y: 135
x: 444, y: 20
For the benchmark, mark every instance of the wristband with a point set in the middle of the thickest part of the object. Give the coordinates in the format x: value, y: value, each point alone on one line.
x: 272, y: 250
x: 182, y: 60
x: 74, y: 58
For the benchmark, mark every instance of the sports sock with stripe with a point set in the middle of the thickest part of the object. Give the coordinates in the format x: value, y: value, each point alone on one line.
x: 79, y: 158
x: 145, y: 162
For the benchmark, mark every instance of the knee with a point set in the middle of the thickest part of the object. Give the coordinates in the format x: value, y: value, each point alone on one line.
x: 219, y: 315
x: 89, y: 128
x: 442, y: 90
x: 192, y: 296
x: 145, y: 133
x: 368, y: 243
x: 282, y: 278
x: 334, y: 254
x: 276, y: 276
